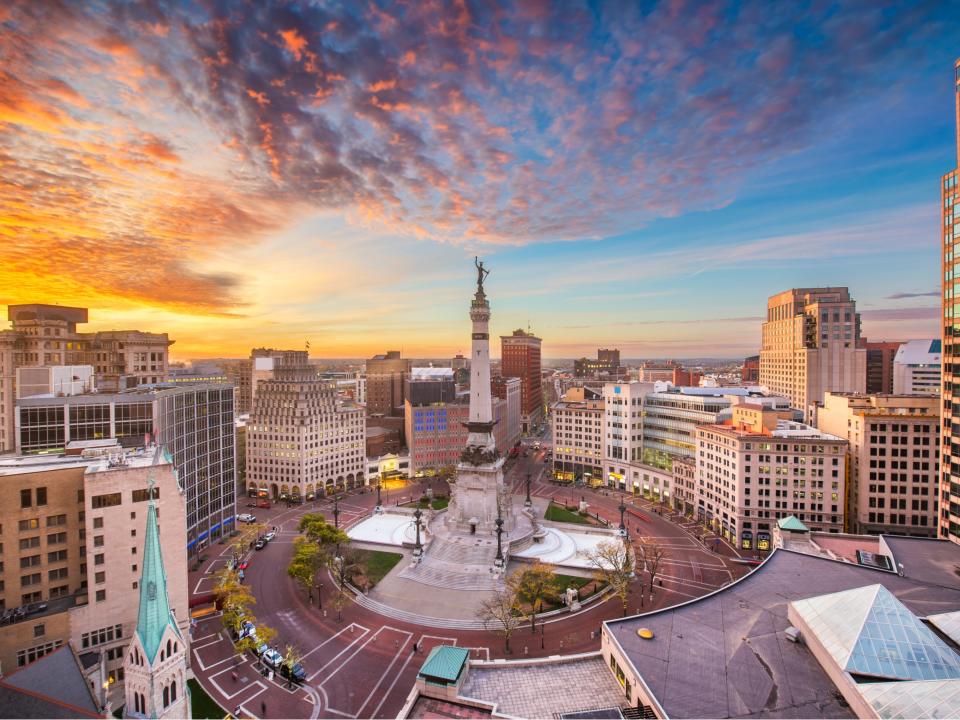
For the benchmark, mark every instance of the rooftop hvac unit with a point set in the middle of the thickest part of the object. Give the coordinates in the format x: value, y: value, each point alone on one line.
x: 793, y: 634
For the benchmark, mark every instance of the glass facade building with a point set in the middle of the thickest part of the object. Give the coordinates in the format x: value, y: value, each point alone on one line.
x: 194, y: 424
x: 950, y: 431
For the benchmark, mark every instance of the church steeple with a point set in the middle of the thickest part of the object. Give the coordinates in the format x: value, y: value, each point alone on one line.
x: 154, y: 615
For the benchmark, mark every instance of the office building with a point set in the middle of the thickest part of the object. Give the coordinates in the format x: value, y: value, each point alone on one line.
x: 577, y: 429
x: 682, y: 377
x: 47, y: 336
x: 437, y: 433
x: 670, y: 418
x: 509, y: 391
x: 950, y: 275
x: 623, y: 420
x: 894, y: 453
x: 759, y: 468
x: 75, y: 549
x: 303, y: 439
x: 194, y: 423
x: 429, y: 385
x: 520, y: 357
x: 916, y: 368
x: 880, y: 366
x: 386, y: 375
x: 811, y: 345
x: 750, y: 372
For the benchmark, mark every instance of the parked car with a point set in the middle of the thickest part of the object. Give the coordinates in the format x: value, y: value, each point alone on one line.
x: 263, y: 503
x: 261, y: 544
x: 296, y: 673
x: 243, y: 565
x: 246, y: 518
x: 247, y: 629
x: 271, y: 658
x: 269, y: 536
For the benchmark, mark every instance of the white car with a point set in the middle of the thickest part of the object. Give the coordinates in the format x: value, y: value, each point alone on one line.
x: 269, y: 536
x: 246, y: 518
x: 272, y: 659
x: 247, y: 630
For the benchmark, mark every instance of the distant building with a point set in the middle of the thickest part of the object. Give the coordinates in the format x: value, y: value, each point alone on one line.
x: 386, y: 375
x: 750, y: 372
x: 382, y: 441
x: 78, y: 560
x: 894, y: 448
x: 509, y: 390
x: 520, y: 357
x: 683, y: 377
x: 577, y: 429
x: 303, y: 440
x: 880, y: 366
x: 55, y: 380
x: 810, y: 346
x: 194, y: 423
x: 654, y: 371
x: 916, y: 368
x: 606, y: 366
x: 759, y: 468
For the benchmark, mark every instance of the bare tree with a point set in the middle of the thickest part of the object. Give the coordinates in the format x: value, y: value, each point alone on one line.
x: 501, y: 613
x: 613, y: 563
x: 651, y: 553
x: 533, y: 585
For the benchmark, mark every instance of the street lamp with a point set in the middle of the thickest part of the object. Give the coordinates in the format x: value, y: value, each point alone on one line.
x: 528, y: 502
x: 622, y: 508
x: 379, y: 507
x: 418, y: 549
x: 499, y: 559
x: 336, y: 511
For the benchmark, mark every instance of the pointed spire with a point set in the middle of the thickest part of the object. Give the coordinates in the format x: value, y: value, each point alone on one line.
x: 154, y: 614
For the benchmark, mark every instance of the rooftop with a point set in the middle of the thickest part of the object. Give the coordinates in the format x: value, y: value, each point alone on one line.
x: 733, y: 640
x: 29, y: 693
x: 919, y: 352
x: 445, y: 662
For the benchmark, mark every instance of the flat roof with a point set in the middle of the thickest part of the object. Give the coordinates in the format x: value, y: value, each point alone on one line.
x: 733, y: 642
x: 445, y: 662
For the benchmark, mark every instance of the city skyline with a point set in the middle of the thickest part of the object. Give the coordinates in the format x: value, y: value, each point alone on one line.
x: 328, y: 177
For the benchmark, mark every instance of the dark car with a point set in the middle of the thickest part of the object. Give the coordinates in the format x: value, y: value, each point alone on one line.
x: 261, y: 544
x: 296, y: 673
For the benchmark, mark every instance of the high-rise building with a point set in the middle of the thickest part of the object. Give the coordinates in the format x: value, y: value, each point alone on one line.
x: 916, y: 368
x: 894, y: 450
x: 623, y: 420
x: 429, y: 385
x: 76, y: 567
x: 386, y: 375
x: 880, y: 366
x: 510, y: 392
x: 607, y: 365
x: 303, y: 439
x: 810, y: 346
x: 520, y: 357
x: 760, y: 468
x: 950, y: 277
x: 195, y: 424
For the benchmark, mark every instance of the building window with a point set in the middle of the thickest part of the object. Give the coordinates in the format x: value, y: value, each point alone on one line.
x: 100, y: 577
x: 98, y: 523
x: 39, y: 630
x: 55, y: 520
x: 98, y: 559
x: 105, y: 501
x: 25, y: 657
x: 25, y: 498
x: 41, y: 496
x: 101, y: 595
x: 31, y: 524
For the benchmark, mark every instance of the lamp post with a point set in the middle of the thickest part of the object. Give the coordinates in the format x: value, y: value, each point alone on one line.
x: 379, y: 507
x: 336, y: 511
x: 418, y: 549
x: 622, y: 508
x: 528, y: 502
x: 499, y: 559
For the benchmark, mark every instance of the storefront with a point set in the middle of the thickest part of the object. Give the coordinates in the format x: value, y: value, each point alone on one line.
x: 746, y: 540
x: 763, y: 541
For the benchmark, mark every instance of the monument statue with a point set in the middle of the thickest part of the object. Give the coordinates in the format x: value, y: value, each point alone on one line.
x: 481, y: 273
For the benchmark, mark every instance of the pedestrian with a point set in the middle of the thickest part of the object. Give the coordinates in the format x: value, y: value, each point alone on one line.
x: 263, y: 709
x: 233, y: 674
x: 236, y: 711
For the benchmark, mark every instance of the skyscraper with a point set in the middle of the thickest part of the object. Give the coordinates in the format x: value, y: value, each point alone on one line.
x: 520, y: 357
x: 386, y: 375
x: 810, y: 346
x: 950, y: 432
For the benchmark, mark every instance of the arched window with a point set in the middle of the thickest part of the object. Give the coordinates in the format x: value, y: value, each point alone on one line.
x: 175, y: 647
x: 143, y: 704
x: 173, y: 691
x: 161, y: 656
x: 136, y: 702
x: 168, y: 648
x: 166, y: 696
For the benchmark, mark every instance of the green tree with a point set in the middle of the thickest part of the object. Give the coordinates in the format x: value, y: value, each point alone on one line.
x: 613, y: 564
x: 307, y: 563
x: 327, y: 537
x: 532, y: 585
x: 291, y: 657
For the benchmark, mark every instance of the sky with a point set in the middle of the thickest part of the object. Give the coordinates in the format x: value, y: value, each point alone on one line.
x: 640, y: 175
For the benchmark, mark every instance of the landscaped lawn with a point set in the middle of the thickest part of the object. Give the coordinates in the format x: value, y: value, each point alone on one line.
x: 202, y: 705
x: 377, y: 563
x: 558, y: 513
x: 439, y: 503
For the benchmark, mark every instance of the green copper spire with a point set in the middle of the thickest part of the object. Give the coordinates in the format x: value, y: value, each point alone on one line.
x: 154, y: 615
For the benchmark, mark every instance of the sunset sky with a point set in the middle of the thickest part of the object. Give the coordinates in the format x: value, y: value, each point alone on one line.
x: 638, y: 174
